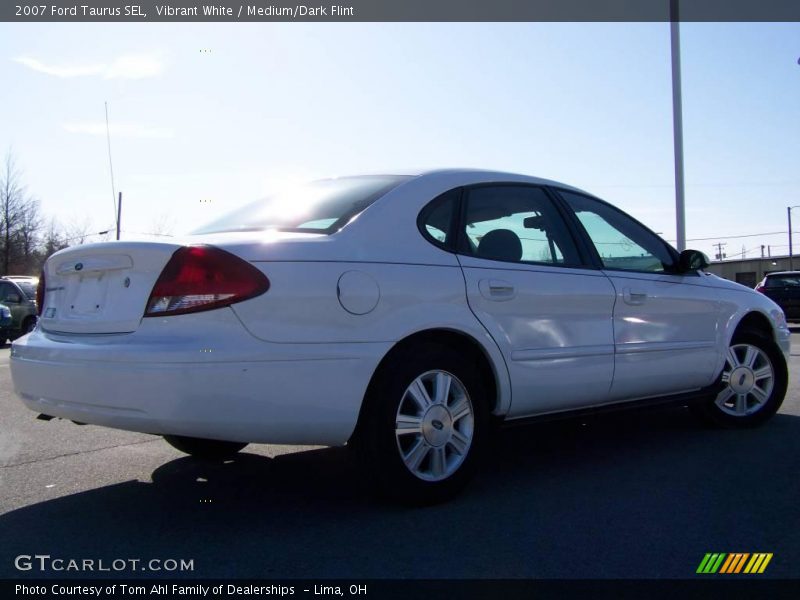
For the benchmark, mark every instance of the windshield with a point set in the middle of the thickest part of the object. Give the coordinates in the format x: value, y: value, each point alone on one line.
x: 323, y: 206
x: 28, y: 288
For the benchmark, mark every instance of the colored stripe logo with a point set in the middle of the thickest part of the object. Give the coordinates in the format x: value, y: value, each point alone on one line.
x: 736, y: 562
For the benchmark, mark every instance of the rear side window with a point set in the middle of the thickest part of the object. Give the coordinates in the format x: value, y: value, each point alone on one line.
x: 783, y: 281
x: 436, y: 221
x: 323, y: 206
x: 515, y: 223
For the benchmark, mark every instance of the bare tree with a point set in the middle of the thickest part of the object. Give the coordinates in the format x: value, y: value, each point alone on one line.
x: 53, y: 240
x: 76, y: 231
x: 26, y: 238
x: 12, y: 194
x: 163, y: 224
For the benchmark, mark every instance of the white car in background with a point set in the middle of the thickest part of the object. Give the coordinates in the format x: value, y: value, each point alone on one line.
x: 396, y: 313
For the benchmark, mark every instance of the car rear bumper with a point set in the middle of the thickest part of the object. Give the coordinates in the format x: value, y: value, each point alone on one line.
x: 240, y: 389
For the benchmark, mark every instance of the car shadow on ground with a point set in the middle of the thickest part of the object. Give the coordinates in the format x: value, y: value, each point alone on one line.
x: 630, y: 495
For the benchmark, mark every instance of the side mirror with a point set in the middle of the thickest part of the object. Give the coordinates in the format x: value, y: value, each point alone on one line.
x: 14, y: 298
x: 692, y: 260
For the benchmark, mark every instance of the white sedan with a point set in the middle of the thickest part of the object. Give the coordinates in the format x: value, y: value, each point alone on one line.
x: 397, y: 314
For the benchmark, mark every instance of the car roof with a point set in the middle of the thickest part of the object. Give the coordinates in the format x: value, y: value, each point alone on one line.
x: 473, y: 176
x: 491, y: 175
x: 783, y: 273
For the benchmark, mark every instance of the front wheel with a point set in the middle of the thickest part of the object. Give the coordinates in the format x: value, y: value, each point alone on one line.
x: 424, y: 423
x: 202, y: 448
x: 751, y: 387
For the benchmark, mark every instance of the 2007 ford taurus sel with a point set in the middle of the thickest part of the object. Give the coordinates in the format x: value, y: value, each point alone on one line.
x: 401, y: 314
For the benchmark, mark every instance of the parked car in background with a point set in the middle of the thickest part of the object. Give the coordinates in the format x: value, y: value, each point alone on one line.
x: 5, y: 322
x: 27, y: 283
x: 783, y: 288
x: 22, y: 306
x: 402, y: 315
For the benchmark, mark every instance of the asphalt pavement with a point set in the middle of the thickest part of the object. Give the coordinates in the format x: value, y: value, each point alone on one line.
x: 631, y: 495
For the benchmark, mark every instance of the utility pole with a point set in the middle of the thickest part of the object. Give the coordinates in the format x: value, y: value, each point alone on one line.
x: 719, y: 246
x: 677, y: 124
x: 789, y: 215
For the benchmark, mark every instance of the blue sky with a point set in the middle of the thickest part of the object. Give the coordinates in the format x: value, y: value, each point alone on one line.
x: 205, y: 117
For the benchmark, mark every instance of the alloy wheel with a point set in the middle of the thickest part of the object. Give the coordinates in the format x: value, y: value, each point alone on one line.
x: 434, y: 426
x: 748, y: 379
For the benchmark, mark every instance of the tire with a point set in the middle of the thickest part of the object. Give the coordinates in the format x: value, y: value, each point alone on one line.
x: 424, y: 425
x: 204, y: 449
x: 751, y: 387
x: 29, y: 325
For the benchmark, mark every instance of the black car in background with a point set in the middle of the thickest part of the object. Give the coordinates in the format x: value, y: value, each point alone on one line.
x: 783, y: 287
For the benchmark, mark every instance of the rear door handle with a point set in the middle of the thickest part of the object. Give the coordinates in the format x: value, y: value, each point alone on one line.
x: 634, y: 296
x: 497, y: 290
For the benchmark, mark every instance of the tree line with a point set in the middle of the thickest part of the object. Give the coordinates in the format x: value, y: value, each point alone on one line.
x: 27, y: 237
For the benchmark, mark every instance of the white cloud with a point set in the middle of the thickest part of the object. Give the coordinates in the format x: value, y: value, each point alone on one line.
x: 127, y: 66
x: 131, y: 130
x: 60, y: 71
x: 134, y: 66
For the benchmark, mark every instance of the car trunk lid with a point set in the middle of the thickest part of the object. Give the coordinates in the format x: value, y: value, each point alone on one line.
x: 101, y: 288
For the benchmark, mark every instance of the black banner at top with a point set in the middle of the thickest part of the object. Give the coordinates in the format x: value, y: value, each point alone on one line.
x: 142, y: 11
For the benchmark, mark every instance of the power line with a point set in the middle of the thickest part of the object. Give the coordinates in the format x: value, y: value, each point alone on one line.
x: 734, y: 237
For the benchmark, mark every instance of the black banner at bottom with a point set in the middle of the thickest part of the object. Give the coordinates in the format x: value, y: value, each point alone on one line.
x: 505, y: 589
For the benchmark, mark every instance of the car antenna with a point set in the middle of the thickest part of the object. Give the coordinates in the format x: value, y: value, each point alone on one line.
x: 117, y: 205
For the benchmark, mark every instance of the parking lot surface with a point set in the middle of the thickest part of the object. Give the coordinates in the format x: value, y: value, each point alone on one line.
x: 630, y: 495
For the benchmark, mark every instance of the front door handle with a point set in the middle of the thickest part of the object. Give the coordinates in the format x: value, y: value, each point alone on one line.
x: 634, y: 297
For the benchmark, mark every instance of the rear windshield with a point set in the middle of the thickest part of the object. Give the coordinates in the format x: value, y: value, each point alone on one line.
x: 323, y: 206
x: 783, y: 281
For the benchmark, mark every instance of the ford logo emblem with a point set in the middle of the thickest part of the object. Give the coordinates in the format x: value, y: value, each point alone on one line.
x: 78, y: 266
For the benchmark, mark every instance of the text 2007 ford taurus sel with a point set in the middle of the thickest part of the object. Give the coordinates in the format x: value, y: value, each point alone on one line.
x: 395, y: 313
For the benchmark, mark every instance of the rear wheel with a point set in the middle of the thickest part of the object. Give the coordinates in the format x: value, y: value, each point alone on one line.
x: 424, y: 423
x: 202, y: 448
x: 752, y: 384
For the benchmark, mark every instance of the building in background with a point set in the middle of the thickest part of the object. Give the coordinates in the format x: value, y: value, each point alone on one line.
x: 749, y: 271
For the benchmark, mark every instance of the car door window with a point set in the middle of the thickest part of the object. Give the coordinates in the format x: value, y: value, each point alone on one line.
x: 516, y: 224
x: 436, y: 219
x: 621, y: 242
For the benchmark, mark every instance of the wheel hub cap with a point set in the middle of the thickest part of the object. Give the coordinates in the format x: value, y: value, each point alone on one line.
x: 742, y: 380
x: 437, y: 425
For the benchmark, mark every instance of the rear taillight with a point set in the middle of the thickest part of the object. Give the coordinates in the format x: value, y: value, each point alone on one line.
x: 760, y: 288
x: 200, y: 278
x: 40, y: 295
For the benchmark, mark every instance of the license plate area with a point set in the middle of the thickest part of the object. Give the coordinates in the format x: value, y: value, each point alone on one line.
x: 90, y: 292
